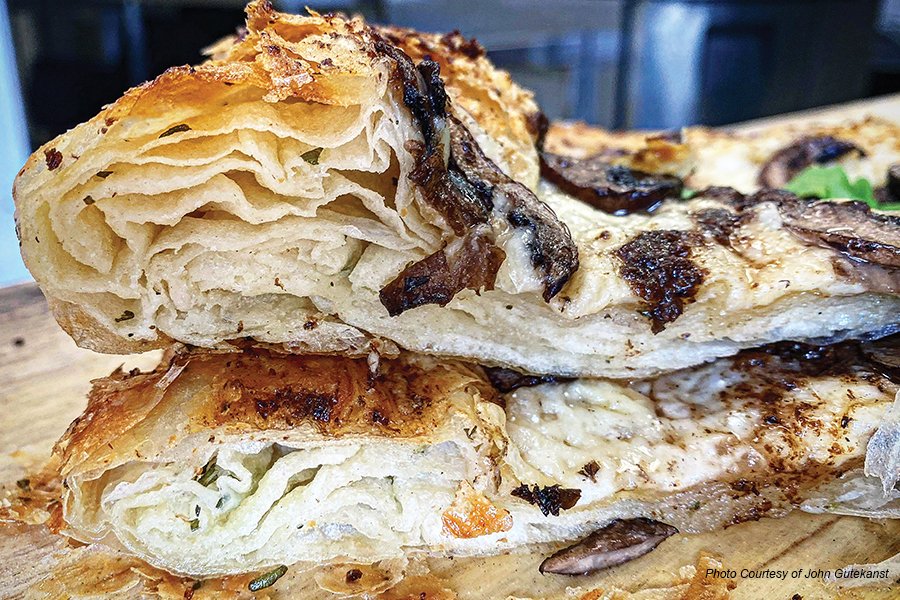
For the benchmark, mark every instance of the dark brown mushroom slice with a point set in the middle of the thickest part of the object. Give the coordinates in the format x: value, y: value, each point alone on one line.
x: 884, y: 356
x: 890, y: 192
x: 848, y: 227
x: 619, y: 542
x: 471, y: 193
x: 508, y: 380
x: 614, y: 189
x: 787, y: 162
x: 471, y: 262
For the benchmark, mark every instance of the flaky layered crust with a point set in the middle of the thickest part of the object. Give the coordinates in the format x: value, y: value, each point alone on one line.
x: 314, y: 188
x: 261, y: 459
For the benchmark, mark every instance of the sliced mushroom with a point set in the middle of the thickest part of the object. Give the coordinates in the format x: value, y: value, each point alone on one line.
x: 507, y: 380
x: 806, y: 151
x: 884, y: 355
x: 614, y: 189
x: 473, y: 195
x: 849, y: 227
x: 620, y: 541
x: 890, y: 193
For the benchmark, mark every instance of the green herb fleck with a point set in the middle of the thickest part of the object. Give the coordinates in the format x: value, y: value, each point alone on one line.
x: 209, y: 473
x: 195, y: 524
x: 312, y: 156
x: 264, y: 581
x: 696, y: 505
x: 831, y: 182
x: 221, y: 502
x: 126, y: 316
x: 687, y: 193
x: 176, y: 129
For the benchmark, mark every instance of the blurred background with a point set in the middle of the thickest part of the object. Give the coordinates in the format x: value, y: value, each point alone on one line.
x: 614, y: 63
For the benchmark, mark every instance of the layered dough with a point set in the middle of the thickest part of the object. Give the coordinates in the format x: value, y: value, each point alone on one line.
x: 271, y: 195
x: 218, y: 463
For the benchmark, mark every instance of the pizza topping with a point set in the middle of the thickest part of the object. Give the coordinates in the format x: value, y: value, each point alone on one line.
x: 831, y: 182
x: 658, y: 267
x: 888, y: 197
x: 550, y: 499
x: 851, y: 228
x: 808, y: 150
x: 615, y: 189
x: 618, y: 542
x: 477, y: 200
x: 470, y: 262
x: 506, y: 380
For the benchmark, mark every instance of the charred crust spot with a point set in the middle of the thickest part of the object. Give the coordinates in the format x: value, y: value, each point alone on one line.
x: 300, y: 405
x: 549, y: 499
x: 310, y: 325
x: 614, y: 189
x: 507, y: 380
x: 717, y: 224
x: 806, y: 151
x: 456, y: 42
x: 53, y: 158
x: 353, y: 575
x: 657, y: 266
x: 378, y: 417
x: 745, y: 486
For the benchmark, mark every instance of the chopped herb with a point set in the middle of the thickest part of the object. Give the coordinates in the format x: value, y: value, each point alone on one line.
x: 687, y: 193
x: 126, y: 316
x: 175, y: 129
x: 832, y: 182
x: 197, y: 510
x: 221, y: 502
x: 470, y: 432
x: 24, y: 484
x: 209, y: 473
x: 695, y: 505
x: 268, y: 579
x: 88, y: 200
x: 104, y: 174
x: 195, y: 524
x: 312, y: 156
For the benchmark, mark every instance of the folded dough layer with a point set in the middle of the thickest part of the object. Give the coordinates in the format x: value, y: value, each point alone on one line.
x: 311, y: 187
x: 218, y: 463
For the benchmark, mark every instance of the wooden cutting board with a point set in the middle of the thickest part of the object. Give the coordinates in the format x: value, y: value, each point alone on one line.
x: 44, y: 378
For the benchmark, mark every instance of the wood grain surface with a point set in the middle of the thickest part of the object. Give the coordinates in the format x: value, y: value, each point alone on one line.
x: 45, y: 377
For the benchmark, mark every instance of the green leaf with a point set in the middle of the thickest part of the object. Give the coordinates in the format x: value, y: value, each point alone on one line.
x: 688, y: 193
x: 831, y: 182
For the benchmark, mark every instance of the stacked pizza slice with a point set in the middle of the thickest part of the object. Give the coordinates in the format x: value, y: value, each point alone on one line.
x: 398, y: 321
